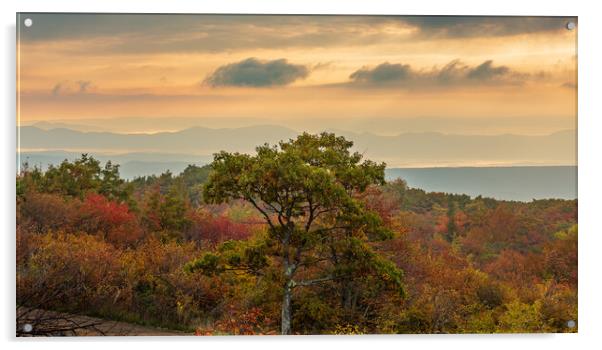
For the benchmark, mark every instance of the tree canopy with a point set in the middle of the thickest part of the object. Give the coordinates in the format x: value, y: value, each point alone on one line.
x: 305, y: 190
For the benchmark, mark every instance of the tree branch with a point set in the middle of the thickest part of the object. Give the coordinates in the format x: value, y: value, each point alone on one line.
x: 314, y: 281
x: 267, y: 217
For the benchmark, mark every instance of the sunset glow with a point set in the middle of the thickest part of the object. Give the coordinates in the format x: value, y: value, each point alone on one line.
x: 115, y: 66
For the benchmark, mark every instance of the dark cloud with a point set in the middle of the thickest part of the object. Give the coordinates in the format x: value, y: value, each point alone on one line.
x: 257, y: 73
x: 149, y: 33
x: 455, y: 73
x: 383, y: 73
x: 486, y: 71
x: 485, y: 26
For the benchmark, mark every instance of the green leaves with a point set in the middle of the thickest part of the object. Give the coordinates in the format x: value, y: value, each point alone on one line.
x: 208, y: 264
x: 305, y: 189
x: 78, y: 178
x: 237, y: 256
x: 295, y: 177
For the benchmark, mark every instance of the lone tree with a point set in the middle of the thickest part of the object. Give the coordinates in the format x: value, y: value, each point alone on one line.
x: 305, y: 190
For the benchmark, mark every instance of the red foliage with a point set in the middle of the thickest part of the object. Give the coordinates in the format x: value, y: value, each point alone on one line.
x: 514, y: 267
x: 217, y: 229
x: 386, y: 205
x: 97, y: 214
x: 442, y: 224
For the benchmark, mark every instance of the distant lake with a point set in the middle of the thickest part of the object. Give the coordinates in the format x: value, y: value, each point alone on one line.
x: 521, y: 183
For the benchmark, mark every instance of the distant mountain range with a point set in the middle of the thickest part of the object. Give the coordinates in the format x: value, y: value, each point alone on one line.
x: 195, y: 140
x: 60, y: 125
x: 403, y: 150
x: 380, y: 125
x: 148, y: 154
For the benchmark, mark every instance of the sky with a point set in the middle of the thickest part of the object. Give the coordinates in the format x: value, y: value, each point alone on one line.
x: 379, y: 74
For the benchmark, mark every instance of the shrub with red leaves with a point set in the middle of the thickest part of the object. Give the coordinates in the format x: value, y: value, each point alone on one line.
x: 98, y: 215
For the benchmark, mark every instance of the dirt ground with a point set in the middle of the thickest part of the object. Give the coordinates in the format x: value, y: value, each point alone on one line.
x: 35, y: 322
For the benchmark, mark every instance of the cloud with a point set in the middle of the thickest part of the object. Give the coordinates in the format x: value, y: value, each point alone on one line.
x: 569, y: 85
x: 68, y: 87
x: 322, y: 65
x: 384, y: 72
x: 253, y: 72
x: 486, y: 71
x: 56, y: 90
x: 485, y: 26
x: 151, y: 33
x: 454, y: 73
x: 84, y: 85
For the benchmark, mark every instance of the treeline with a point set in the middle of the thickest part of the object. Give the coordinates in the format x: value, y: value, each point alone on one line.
x: 195, y: 252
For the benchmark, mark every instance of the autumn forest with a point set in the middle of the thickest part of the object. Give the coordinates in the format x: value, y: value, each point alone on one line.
x: 302, y: 237
x: 224, y: 174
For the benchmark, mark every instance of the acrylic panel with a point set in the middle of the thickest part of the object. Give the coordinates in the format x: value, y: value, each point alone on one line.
x: 183, y: 174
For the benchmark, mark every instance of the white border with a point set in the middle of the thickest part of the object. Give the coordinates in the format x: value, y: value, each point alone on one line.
x: 590, y: 196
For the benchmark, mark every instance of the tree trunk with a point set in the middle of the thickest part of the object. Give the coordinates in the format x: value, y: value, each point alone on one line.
x: 346, y: 294
x: 286, y: 309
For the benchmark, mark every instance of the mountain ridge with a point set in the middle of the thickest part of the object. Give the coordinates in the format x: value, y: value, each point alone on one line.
x: 403, y: 149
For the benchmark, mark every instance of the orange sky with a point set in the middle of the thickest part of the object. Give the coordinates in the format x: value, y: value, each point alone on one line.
x: 78, y: 67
